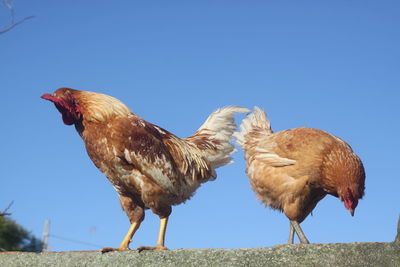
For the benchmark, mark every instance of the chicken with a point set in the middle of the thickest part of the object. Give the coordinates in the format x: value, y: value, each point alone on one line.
x: 293, y: 170
x: 149, y: 167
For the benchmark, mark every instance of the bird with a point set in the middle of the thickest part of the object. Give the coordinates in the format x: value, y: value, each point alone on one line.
x: 292, y: 170
x: 149, y: 167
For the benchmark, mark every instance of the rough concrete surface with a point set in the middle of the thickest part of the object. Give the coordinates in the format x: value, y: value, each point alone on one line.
x: 352, y: 254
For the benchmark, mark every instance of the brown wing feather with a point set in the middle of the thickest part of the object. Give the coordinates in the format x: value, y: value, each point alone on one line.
x: 164, y: 157
x: 145, y: 148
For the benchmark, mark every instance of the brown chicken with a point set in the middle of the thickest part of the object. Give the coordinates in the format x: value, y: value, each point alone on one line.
x: 293, y: 170
x: 149, y: 167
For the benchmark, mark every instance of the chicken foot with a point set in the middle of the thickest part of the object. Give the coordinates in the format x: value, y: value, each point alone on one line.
x: 295, y: 226
x: 125, y: 243
x: 161, y: 237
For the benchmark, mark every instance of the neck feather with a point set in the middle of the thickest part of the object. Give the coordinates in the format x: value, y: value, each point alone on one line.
x: 99, y: 107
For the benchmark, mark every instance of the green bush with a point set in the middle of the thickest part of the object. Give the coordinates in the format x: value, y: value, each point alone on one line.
x: 13, y: 237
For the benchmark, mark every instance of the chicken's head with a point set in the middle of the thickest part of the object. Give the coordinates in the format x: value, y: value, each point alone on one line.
x: 350, y: 201
x: 66, y: 104
x: 345, y: 171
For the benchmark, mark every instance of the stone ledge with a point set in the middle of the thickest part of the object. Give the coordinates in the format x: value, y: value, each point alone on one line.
x: 346, y: 254
x: 351, y: 254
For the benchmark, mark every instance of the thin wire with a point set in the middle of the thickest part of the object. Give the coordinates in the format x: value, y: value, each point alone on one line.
x: 75, y: 241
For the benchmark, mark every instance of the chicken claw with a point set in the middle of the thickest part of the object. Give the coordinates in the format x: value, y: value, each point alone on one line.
x: 141, y: 248
x: 105, y: 250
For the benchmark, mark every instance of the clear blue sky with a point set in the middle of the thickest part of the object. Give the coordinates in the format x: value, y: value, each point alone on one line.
x: 332, y: 65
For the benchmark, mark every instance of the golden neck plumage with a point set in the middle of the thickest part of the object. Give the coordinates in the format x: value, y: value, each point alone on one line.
x: 98, y: 107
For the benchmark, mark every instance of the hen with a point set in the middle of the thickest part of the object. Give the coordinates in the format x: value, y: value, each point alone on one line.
x: 293, y: 170
x: 149, y: 167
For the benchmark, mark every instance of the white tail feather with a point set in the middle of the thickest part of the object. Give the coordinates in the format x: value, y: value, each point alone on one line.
x: 215, y: 134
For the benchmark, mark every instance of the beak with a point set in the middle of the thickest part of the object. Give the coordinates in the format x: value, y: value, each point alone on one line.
x: 352, y: 212
x: 49, y: 97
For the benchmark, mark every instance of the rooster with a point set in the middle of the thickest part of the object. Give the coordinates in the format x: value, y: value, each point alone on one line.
x: 149, y: 167
x: 293, y: 170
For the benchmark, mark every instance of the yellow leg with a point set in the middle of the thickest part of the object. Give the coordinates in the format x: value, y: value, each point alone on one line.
x: 161, y: 237
x: 161, y: 234
x: 125, y: 243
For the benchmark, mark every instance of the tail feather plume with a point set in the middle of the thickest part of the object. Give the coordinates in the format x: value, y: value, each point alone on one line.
x: 257, y: 121
x: 214, y: 136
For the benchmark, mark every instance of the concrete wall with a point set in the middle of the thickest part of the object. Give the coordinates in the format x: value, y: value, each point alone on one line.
x: 352, y: 254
